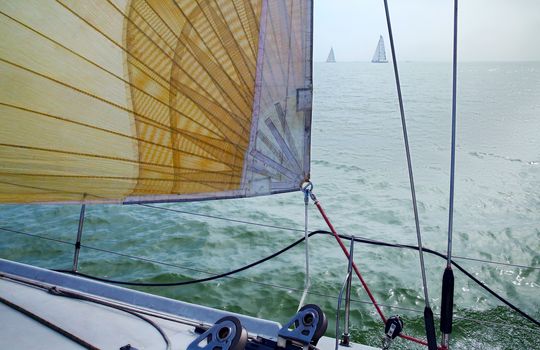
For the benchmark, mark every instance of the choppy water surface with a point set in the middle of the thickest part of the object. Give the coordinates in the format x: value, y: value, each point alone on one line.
x: 360, y: 176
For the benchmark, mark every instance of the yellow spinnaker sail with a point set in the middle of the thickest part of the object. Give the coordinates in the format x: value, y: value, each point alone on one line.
x: 153, y: 100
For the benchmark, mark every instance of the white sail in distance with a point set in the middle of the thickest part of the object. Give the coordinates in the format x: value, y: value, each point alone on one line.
x: 331, y: 58
x: 380, y: 54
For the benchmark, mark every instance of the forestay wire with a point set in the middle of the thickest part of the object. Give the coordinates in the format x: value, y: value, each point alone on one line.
x: 428, y: 313
x: 453, y: 147
x: 447, y: 296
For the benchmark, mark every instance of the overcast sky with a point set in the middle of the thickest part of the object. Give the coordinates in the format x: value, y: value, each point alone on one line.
x: 489, y: 30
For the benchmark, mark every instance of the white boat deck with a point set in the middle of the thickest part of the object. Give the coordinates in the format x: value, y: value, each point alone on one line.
x: 100, y: 326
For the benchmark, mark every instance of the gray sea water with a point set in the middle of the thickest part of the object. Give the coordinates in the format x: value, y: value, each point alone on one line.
x: 360, y: 175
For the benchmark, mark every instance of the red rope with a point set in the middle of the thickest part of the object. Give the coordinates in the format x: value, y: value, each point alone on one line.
x: 357, y: 271
x: 334, y: 232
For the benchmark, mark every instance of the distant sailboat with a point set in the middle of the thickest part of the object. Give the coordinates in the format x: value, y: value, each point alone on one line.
x: 380, y: 54
x: 331, y: 58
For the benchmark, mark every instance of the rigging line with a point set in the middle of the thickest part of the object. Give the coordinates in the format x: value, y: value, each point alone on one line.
x: 277, y: 286
x: 153, y: 313
x: 496, y: 262
x: 453, y: 147
x: 428, y: 313
x: 459, y: 267
x: 36, y: 236
x: 135, y: 308
x: 342, y: 246
x: 49, y: 324
x: 447, y: 291
x: 408, y: 154
x: 68, y: 294
x: 140, y: 258
x: 223, y: 218
x: 367, y: 240
x: 193, y: 281
x: 307, y: 281
x: 357, y: 271
x: 357, y: 239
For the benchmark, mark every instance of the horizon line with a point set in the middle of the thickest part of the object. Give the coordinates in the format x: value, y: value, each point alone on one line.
x: 441, y: 61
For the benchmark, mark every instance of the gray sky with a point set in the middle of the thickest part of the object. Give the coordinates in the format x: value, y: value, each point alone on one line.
x: 489, y: 30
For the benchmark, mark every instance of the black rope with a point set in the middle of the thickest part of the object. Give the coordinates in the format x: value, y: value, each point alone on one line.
x: 247, y: 222
x: 361, y: 240
x: 295, y: 243
x: 206, y: 279
x: 49, y: 324
x: 64, y: 293
x: 459, y: 267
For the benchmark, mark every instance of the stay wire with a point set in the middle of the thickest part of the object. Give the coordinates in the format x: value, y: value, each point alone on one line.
x: 279, y: 228
x: 453, y: 146
x: 222, y: 218
x: 297, y: 242
x: 194, y: 281
x: 448, y: 280
x: 428, y: 313
x: 290, y: 246
x: 408, y: 154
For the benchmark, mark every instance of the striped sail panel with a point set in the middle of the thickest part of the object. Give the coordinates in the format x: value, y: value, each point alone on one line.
x: 150, y: 100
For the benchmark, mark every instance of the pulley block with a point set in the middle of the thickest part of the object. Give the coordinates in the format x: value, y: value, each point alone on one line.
x: 305, y: 328
x: 226, y: 334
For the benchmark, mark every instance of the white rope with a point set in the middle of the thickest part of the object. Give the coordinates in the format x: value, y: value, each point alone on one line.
x: 307, y: 282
